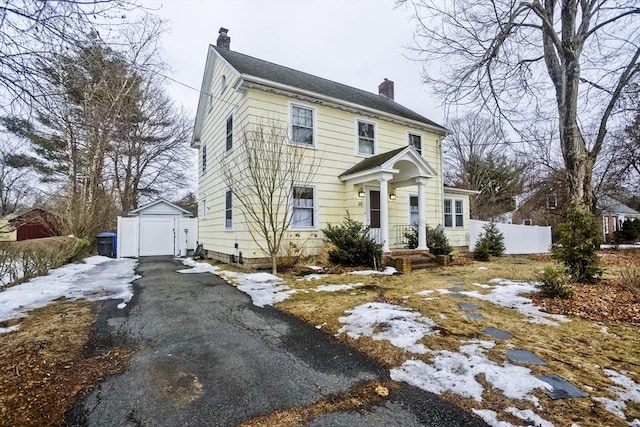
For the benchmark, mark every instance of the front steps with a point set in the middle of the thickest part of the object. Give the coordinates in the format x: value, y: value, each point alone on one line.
x: 405, y: 260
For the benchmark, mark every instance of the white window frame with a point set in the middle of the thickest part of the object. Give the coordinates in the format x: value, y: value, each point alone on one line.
x: 223, y: 83
x: 418, y: 134
x: 605, y: 221
x: 375, y: 136
x: 228, y: 209
x: 203, y: 205
x: 454, y: 214
x: 527, y: 221
x: 203, y: 158
x: 314, y: 133
x: 228, y: 149
x: 412, y: 195
x: 314, y: 208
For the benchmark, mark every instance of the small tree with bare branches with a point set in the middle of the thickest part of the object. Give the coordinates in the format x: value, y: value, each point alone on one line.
x: 264, y: 172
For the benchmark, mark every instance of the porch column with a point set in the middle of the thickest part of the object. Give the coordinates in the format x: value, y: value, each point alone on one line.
x: 422, y: 223
x: 384, y: 212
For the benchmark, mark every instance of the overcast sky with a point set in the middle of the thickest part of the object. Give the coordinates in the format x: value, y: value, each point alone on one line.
x: 357, y: 43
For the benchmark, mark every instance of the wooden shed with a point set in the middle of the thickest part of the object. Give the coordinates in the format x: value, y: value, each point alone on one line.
x: 31, y: 224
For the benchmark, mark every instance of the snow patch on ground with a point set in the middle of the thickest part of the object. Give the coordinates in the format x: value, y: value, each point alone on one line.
x: 314, y: 276
x: 528, y: 415
x: 425, y: 293
x: 507, y: 293
x: 457, y: 372
x: 625, y: 390
x: 336, y: 288
x: 263, y: 288
x: 402, y: 327
x: 197, y: 267
x: 491, y: 417
x: 388, y: 271
x: 98, y: 278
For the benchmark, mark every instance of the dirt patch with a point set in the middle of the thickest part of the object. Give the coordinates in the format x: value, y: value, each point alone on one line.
x: 45, y: 366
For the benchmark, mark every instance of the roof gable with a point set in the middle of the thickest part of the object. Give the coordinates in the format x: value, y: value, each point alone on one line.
x: 160, y: 207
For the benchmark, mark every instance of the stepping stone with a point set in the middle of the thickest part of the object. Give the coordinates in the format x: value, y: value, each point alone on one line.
x: 561, y: 388
x: 456, y: 288
x: 497, y: 333
x: 457, y: 295
x: 524, y: 357
x: 474, y: 316
x: 467, y: 306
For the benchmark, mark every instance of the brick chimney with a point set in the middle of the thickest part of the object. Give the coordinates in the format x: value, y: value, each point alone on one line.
x: 386, y: 89
x: 224, y: 41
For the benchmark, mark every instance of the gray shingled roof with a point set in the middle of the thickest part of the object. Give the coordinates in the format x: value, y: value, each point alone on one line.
x: 372, y: 162
x: 613, y: 206
x: 277, y: 73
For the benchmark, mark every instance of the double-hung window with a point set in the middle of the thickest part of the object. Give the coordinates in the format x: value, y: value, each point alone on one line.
x: 229, y: 133
x: 453, y: 213
x: 228, y: 210
x: 415, y: 141
x: 303, y: 208
x: 366, y: 138
x: 204, y: 158
x: 301, y: 125
x: 414, y: 218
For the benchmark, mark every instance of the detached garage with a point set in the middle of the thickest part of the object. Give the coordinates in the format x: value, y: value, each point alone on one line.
x: 159, y: 228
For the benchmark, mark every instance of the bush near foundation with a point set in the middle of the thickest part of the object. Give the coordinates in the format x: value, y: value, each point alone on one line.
x: 353, y: 244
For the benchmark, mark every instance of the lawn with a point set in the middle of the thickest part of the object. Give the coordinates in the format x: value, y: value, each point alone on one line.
x: 413, y: 324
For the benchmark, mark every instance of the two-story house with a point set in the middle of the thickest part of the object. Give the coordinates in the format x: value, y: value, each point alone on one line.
x: 381, y: 161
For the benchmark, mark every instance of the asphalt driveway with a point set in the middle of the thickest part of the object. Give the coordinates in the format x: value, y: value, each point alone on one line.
x: 208, y: 357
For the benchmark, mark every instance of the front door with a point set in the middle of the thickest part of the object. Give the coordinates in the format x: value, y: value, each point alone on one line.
x: 374, y: 214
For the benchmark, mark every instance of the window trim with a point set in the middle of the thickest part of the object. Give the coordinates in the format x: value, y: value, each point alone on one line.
x: 203, y: 205
x: 359, y: 120
x: 606, y: 224
x: 228, y: 209
x: 314, y: 209
x: 314, y: 133
x: 223, y: 83
x: 454, y: 214
x: 418, y: 134
x: 226, y: 133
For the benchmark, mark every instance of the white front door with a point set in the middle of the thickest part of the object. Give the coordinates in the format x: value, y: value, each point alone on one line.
x: 157, y: 236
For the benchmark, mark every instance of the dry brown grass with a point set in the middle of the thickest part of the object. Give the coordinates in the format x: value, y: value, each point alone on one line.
x: 45, y: 365
x: 578, y: 350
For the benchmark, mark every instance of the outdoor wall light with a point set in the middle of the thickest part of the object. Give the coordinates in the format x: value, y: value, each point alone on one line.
x: 392, y: 196
x: 361, y: 193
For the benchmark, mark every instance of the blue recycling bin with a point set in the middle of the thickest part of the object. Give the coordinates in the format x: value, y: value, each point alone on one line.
x: 107, y: 244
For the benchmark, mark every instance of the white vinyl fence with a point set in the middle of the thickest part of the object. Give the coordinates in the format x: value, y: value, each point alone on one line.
x: 518, y: 239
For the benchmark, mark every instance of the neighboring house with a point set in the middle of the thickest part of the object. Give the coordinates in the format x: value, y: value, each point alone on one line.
x: 31, y: 224
x: 382, y: 162
x: 614, y: 214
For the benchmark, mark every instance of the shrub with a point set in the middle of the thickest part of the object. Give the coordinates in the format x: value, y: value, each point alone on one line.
x: 579, y: 238
x: 553, y: 282
x: 21, y: 261
x: 629, y: 232
x: 481, y: 251
x: 353, y: 245
x: 495, y: 239
x: 437, y: 241
x: 630, y: 280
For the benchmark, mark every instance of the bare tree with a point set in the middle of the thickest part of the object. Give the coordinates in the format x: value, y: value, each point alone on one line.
x: 31, y: 30
x: 568, y: 61
x: 16, y: 180
x: 263, y: 172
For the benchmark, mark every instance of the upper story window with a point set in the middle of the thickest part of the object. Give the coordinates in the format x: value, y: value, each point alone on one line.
x: 415, y: 141
x: 552, y: 201
x: 228, y: 210
x: 223, y: 83
x: 303, y: 207
x: 453, y: 213
x: 301, y: 125
x: 366, y: 138
x: 229, y: 132
x: 204, y: 158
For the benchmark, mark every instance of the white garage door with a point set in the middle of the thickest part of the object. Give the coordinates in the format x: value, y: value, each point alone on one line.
x: 157, y: 236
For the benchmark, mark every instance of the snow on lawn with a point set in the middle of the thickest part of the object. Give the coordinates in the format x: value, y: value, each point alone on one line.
x: 98, y: 278
x: 491, y: 417
x: 400, y: 326
x: 457, y: 372
x: 625, y: 390
x: 507, y: 293
x: 336, y: 288
x: 388, y: 271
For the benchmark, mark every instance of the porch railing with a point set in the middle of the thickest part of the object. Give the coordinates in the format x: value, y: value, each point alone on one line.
x: 400, y: 232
